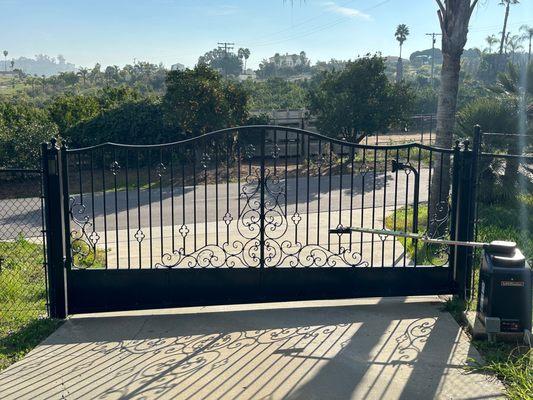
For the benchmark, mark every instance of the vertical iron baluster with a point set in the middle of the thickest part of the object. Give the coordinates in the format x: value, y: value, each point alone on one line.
x: 171, y: 166
x: 352, y: 160
x: 80, y: 178
x: 128, y: 207
x: 262, y: 203
x: 363, y: 176
x: 329, y: 191
x: 193, y: 150
x: 440, y: 176
x: 92, y: 195
x: 406, y: 205
x: 150, y: 205
x: 275, y: 152
x: 286, y: 168
x: 395, y: 208
x: 228, y: 149
x: 320, y: 162
x: 308, y: 168
x: 238, y: 176
x: 104, y: 204
x: 297, y: 181
x: 429, y: 189
x: 384, y: 206
x: 373, y: 205
x: 138, y: 233
x: 116, y: 205
x: 340, y: 192
x: 183, y: 202
x: 160, y: 178
x: 216, y: 191
x: 206, y: 165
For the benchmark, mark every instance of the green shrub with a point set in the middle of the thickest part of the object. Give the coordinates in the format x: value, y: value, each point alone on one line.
x: 23, y: 127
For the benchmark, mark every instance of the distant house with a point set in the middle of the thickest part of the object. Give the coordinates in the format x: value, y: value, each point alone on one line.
x: 286, y: 60
x: 177, y: 67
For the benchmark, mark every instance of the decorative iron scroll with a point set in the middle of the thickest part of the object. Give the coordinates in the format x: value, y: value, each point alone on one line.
x: 439, y: 228
x: 247, y: 250
x: 83, y: 238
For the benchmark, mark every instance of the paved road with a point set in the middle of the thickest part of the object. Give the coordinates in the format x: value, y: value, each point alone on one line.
x: 23, y: 215
x: 167, y: 207
x: 350, y: 349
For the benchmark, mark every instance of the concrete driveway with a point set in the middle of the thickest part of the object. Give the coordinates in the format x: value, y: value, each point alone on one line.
x: 403, y: 348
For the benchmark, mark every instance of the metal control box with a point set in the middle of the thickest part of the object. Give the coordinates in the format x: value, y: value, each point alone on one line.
x: 505, y: 289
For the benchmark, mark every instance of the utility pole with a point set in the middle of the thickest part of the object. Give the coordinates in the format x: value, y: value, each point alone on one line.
x: 433, y: 40
x: 226, y: 46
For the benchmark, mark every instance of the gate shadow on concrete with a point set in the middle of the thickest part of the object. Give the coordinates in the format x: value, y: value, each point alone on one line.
x: 316, y: 350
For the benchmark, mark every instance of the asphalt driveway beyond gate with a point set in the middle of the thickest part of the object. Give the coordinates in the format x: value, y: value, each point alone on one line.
x: 395, y: 348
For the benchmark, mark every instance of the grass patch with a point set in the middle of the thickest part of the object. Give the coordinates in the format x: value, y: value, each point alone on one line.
x: 402, y: 220
x: 512, y: 363
x: 23, y: 322
x: 15, y: 344
x: 85, y: 256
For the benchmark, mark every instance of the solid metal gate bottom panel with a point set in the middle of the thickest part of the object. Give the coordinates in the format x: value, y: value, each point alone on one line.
x: 119, y: 290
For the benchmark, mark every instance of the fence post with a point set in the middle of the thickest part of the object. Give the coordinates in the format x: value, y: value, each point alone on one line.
x: 456, y: 173
x: 465, y: 215
x: 55, y: 247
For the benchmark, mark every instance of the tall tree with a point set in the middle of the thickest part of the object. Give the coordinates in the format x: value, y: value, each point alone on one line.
x: 491, y: 41
x: 218, y: 59
x: 454, y: 16
x: 5, y: 59
x: 359, y: 100
x: 240, y: 54
x: 512, y: 45
x: 83, y: 72
x: 507, y: 4
x: 402, y: 31
x: 528, y: 34
x: 246, y: 54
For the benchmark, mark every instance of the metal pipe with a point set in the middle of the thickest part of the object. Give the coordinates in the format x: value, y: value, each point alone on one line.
x: 408, y: 235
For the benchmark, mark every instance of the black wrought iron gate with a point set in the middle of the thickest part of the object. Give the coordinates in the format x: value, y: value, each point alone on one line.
x: 241, y: 215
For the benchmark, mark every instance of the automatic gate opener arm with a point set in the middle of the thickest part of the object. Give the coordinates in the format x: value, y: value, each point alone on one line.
x: 496, y: 246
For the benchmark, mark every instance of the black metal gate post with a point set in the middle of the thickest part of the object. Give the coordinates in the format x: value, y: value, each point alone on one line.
x: 55, y: 233
x: 464, y: 217
x: 456, y: 171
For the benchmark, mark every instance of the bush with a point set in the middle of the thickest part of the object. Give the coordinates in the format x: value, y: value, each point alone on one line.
x: 198, y: 101
x: 23, y: 127
x: 132, y: 122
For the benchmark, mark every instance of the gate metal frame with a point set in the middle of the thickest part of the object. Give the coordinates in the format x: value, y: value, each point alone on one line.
x: 74, y: 290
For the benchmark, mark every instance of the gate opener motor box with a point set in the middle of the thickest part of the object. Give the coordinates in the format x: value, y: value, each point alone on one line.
x: 505, y: 289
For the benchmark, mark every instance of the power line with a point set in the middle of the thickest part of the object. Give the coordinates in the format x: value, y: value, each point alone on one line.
x: 315, y: 29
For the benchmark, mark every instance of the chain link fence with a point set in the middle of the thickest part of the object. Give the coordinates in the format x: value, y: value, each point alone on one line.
x: 23, y: 293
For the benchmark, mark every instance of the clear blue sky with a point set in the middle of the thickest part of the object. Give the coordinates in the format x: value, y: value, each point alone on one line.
x: 170, y: 31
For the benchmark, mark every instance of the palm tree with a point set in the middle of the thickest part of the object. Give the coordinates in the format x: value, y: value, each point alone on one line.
x: 240, y: 53
x: 5, y: 59
x: 83, y: 72
x: 402, y: 31
x: 491, y: 41
x: 454, y: 16
x: 528, y: 34
x: 246, y: 54
x: 507, y: 4
x: 512, y: 44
